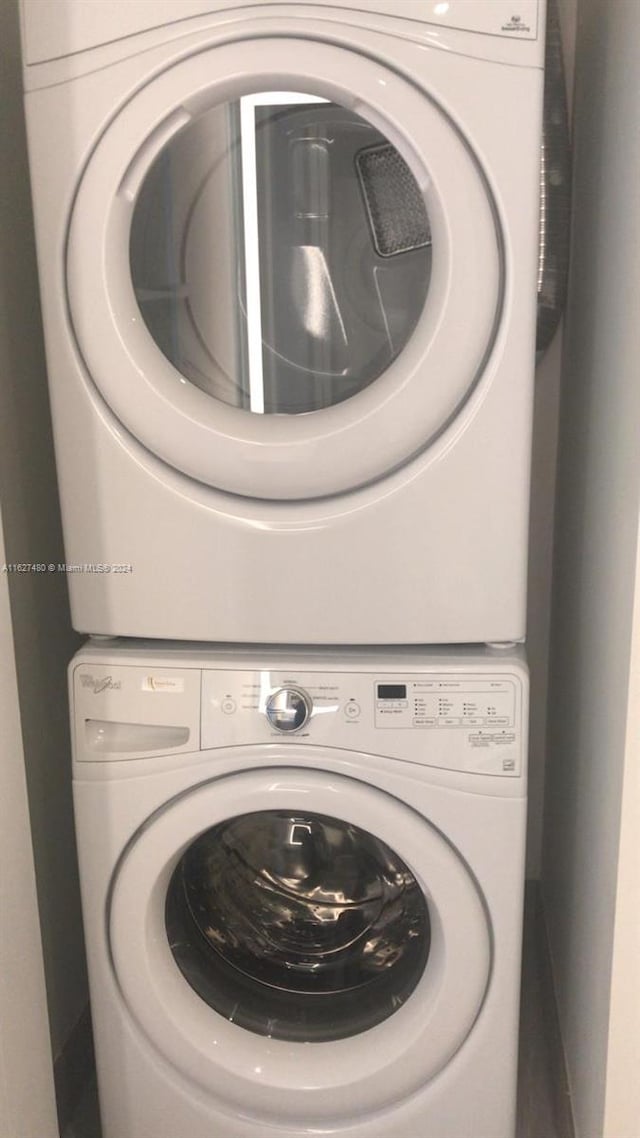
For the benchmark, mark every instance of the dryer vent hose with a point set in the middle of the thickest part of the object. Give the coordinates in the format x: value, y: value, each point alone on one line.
x: 555, y: 189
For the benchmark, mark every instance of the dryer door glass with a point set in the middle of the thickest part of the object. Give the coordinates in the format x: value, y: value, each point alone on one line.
x: 280, y: 252
x: 285, y: 267
x: 297, y: 926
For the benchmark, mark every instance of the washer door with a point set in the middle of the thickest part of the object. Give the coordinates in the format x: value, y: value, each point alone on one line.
x: 285, y: 930
x: 283, y: 269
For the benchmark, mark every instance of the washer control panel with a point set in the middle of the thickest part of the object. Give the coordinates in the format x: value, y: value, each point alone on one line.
x: 445, y: 703
x: 467, y: 719
x: 467, y: 722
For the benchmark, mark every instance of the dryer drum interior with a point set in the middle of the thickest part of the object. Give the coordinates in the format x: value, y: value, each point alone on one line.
x: 297, y: 926
x: 280, y: 252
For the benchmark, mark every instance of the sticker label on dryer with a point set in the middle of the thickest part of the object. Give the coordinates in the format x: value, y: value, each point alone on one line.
x: 516, y: 24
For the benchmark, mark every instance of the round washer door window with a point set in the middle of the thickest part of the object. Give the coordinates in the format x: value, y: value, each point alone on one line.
x: 321, y: 954
x: 284, y: 268
x: 297, y: 926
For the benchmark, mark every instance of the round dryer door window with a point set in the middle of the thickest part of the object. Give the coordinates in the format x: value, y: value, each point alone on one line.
x: 300, y: 943
x: 284, y: 267
x: 280, y: 252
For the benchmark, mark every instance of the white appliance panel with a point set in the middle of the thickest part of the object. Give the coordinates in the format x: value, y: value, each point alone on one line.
x: 95, y: 23
x: 395, y: 514
x: 445, y: 1053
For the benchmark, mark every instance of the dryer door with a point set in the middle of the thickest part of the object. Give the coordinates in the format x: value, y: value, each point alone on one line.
x: 285, y: 930
x: 284, y: 269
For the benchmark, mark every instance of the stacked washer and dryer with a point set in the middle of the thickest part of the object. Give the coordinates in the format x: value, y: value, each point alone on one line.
x: 288, y: 258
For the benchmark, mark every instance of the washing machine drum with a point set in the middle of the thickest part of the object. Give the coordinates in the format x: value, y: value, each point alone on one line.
x: 297, y: 926
x: 284, y: 285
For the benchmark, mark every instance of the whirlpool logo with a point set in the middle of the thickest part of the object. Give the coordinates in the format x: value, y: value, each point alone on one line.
x: 99, y: 683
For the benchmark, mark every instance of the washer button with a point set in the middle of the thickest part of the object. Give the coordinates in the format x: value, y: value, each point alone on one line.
x: 352, y: 709
x: 228, y: 706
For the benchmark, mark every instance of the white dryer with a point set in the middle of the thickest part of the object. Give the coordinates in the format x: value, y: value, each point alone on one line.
x: 288, y: 259
x: 302, y: 880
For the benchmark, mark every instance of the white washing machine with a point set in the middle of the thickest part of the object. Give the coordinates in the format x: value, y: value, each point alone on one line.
x: 288, y: 258
x: 302, y: 880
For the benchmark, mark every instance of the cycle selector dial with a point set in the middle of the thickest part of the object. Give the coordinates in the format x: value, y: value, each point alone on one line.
x: 288, y: 709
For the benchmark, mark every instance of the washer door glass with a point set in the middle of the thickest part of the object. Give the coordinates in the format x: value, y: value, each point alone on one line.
x: 297, y: 926
x: 280, y: 252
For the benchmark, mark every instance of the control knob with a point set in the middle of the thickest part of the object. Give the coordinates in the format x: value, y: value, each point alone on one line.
x: 288, y: 709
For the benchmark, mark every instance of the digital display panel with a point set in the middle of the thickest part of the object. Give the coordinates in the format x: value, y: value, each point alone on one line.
x: 392, y: 691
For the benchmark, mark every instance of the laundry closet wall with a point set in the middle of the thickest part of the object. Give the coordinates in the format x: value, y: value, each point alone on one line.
x: 42, y: 632
x: 590, y: 861
x: 27, y: 1102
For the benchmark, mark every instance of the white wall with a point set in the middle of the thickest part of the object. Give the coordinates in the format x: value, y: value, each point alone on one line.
x: 622, y: 1095
x: 27, y: 1101
x: 595, y: 558
x: 43, y: 638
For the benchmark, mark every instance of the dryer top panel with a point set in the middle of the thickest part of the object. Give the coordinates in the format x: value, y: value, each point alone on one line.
x: 67, y: 27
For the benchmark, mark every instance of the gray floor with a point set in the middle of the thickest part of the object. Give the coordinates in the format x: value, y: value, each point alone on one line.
x: 543, y: 1109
